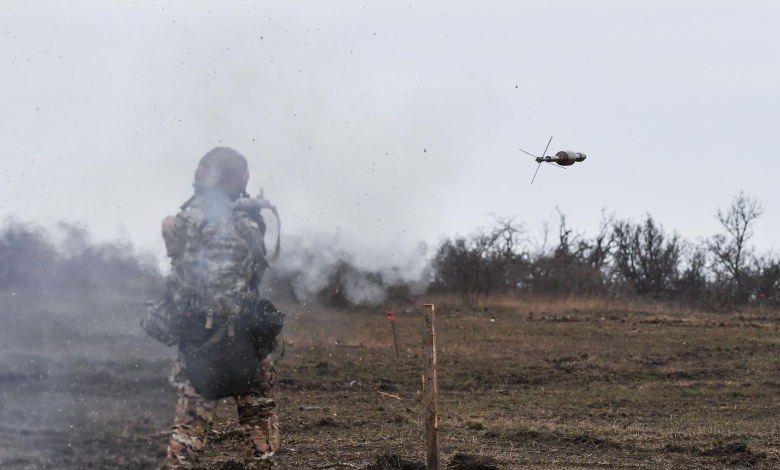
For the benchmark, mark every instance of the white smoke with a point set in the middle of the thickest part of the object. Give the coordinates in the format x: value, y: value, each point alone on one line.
x: 312, y: 263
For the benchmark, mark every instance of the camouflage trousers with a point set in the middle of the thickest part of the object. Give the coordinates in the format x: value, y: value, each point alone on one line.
x: 195, y: 415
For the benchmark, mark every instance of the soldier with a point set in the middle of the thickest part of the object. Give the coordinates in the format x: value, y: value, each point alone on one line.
x: 225, y: 332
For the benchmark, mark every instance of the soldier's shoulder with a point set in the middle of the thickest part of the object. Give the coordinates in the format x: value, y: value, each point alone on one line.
x: 189, y: 213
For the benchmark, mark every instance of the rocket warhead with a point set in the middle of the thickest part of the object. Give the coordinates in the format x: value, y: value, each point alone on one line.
x: 564, y: 158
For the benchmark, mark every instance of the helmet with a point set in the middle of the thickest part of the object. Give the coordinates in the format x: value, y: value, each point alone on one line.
x: 222, y: 169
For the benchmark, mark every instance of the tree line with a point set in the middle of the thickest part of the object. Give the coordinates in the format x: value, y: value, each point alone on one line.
x: 31, y: 262
x: 624, y: 258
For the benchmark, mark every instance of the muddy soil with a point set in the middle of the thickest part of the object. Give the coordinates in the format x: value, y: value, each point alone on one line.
x: 82, y: 388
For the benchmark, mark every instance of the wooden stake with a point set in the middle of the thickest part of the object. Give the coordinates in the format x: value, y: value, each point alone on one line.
x: 395, y: 339
x: 431, y: 391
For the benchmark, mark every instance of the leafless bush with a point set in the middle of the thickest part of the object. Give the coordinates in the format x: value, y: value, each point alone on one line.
x: 734, y: 261
x: 576, y: 266
x: 766, y: 277
x: 489, y: 261
x: 646, y: 257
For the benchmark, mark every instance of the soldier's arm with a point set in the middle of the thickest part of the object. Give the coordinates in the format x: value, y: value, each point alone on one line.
x: 174, y: 235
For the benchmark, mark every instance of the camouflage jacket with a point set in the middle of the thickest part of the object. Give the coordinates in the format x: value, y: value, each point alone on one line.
x: 218, y: 260
x: 218, y: 257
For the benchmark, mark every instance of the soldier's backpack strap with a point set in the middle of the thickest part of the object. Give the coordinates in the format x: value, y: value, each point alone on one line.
x: 277, y: 250
x: 253, y: 206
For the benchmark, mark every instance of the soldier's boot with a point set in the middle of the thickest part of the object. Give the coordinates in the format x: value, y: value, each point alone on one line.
x: 258, y: 420
x: 194, y: 417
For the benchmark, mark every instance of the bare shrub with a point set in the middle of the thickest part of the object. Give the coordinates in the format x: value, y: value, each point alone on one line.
x: 732, y: 254
x: 490, y: 260
x: 646, y: 257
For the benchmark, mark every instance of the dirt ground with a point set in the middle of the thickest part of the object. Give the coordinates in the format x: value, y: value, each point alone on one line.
x: 522, y: 385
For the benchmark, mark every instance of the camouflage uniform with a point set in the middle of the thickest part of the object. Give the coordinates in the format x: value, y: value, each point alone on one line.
x: 195, y: 415
x: 218, y: 259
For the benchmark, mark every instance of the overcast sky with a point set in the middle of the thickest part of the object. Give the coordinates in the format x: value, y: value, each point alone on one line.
x: 388, y: 123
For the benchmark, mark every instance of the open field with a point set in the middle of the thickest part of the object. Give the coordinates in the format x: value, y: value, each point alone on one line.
x: 572, y: 384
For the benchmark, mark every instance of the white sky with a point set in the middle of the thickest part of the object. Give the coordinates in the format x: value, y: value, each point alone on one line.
x: 388, y: 123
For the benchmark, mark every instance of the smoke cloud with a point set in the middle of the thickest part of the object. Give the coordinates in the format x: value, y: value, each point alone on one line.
x: 316, y: 265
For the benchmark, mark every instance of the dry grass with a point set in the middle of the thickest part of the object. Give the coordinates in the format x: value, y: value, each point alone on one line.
x: 553, y: 305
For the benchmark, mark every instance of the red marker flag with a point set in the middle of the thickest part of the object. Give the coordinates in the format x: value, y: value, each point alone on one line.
x: 395, y: 336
